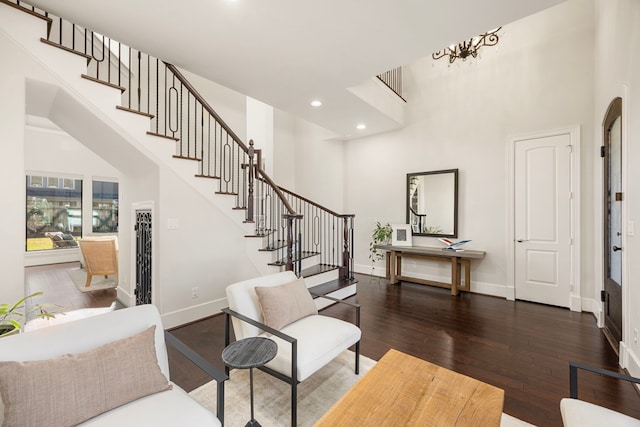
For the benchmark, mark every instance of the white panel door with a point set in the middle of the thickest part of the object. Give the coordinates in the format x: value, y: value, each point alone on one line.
x: 543, y: 220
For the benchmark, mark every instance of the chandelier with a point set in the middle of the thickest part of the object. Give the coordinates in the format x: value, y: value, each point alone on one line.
x: 468, y: 47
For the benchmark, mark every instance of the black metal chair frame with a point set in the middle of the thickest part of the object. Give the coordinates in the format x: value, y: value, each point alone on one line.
x: 294, y: 349
x: 205, y: 366
x: 573, y: 376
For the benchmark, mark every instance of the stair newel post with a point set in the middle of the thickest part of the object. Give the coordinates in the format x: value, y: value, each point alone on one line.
x: 346, y: 271
x: 292, y: 230
x: 250, y: 153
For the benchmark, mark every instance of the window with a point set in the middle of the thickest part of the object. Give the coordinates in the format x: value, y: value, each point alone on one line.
x: 105, y: 207
x: 54, y: 212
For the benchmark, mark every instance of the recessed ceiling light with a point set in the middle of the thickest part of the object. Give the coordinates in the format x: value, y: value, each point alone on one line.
x: 316, y: 103
x: 361, y: 126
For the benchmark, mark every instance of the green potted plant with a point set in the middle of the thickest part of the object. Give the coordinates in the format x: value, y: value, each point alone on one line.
x: 11, y: 315
x: 380, y: 236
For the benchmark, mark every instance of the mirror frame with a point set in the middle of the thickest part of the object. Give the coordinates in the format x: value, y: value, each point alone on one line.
x: 455, y: 201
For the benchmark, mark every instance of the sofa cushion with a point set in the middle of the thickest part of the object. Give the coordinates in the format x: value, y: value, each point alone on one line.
x: 284, y: 304
x: 169, y: 408
x: 72, y: 388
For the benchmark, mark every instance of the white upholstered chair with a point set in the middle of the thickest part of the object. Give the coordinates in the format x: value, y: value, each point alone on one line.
x: 304, y: 346
x: 578, y: 413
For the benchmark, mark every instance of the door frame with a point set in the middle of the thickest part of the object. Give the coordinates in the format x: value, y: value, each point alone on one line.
x: 615, y: 106
x: 622, y: 92
x: 575, y: 303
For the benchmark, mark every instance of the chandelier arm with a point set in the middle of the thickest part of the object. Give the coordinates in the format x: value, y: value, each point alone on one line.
x: 468, y: 47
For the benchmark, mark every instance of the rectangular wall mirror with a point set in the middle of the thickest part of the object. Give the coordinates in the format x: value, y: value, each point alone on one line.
x: 432, y: 203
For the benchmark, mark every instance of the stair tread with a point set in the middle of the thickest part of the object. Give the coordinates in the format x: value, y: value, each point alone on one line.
x: 159, y: 135
x: 66, y: 49
x: 332, y: 286
x: 102, y: 82
x: 305, y: 254
x: 317, y: 269
x: 131, y: 110
x: 278, y: 245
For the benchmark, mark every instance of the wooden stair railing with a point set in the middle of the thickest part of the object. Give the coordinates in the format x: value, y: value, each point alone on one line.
x: 158, y: 90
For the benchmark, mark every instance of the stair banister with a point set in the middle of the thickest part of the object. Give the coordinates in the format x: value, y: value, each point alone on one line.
x: 206, y: 105
x: 285, y: 219
x: 290, y: 216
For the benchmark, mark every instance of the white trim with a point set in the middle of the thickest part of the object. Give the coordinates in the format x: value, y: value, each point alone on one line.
x: 155, y: 297
x: 368, y: 270
x: 627, y: 336
x: 594, y: 306
x: 575, y: 300
x: 631, y: 362
x: 51, y: 256
x: 63, y: 175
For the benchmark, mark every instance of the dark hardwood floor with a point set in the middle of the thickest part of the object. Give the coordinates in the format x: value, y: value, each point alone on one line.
x: 521, y: 347
x: 59, y: 289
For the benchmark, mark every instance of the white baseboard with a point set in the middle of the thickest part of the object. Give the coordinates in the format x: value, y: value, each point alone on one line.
x: 476, y: 287
x: 631, y: 360
x: 367, y: 269
x: 125, y: 297
x: 592, y: 305
x: 575, y: 303
x: 193, y: 313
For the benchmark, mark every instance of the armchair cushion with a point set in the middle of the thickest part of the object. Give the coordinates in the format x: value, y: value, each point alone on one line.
x: 583, y: 414
x: 284, y: 304
x: 72, y: 388
x: 320, y: 340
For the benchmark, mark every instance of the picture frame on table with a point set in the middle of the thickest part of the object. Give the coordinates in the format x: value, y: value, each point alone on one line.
x: 401, y: 235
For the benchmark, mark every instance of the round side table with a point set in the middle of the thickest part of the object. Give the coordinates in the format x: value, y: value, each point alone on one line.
x: 249, y: 353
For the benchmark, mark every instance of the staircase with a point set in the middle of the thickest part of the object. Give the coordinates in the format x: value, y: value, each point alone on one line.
x: 286, y: 230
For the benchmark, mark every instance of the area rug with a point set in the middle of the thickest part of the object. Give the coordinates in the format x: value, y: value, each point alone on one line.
x: 98, y: 283
x: 272, y: 408
x: 272, y: 397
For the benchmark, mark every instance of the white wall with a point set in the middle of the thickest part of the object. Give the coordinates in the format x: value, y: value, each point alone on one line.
x: 230, y: 105
x: 319, y: 166
x: 284, y: 149
x: 617, y: 71
x: 12, y: 222
x: 538, y: 78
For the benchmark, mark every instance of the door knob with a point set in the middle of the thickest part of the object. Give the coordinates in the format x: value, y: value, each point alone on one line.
x: 521, y: 240
x: 616, y: 249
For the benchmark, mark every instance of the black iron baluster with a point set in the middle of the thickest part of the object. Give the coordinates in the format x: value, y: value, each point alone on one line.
x: 139, y: 83
x: 129, y: 79
x: 181, y: 114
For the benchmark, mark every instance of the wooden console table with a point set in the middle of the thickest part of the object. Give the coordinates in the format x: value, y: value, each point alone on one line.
x: 402, y: 390
x: 457, y: 260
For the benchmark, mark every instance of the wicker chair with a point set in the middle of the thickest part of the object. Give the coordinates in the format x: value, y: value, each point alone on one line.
x: 100, y: 258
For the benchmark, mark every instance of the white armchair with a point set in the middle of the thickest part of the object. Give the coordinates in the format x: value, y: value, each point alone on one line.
x: 579, y: 413
x: 304, y: 346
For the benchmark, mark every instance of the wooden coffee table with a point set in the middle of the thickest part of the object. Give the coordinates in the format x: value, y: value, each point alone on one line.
x: 402, y: 390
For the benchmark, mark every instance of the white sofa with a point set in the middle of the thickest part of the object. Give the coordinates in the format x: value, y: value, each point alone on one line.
x: 172, y: 407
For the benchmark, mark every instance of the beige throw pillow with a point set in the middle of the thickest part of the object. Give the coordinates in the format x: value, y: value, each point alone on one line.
x: 70, y: 389
x: 284, y: 304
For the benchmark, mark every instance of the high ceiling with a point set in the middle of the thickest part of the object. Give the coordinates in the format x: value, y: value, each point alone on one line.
x: 287, y: 53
